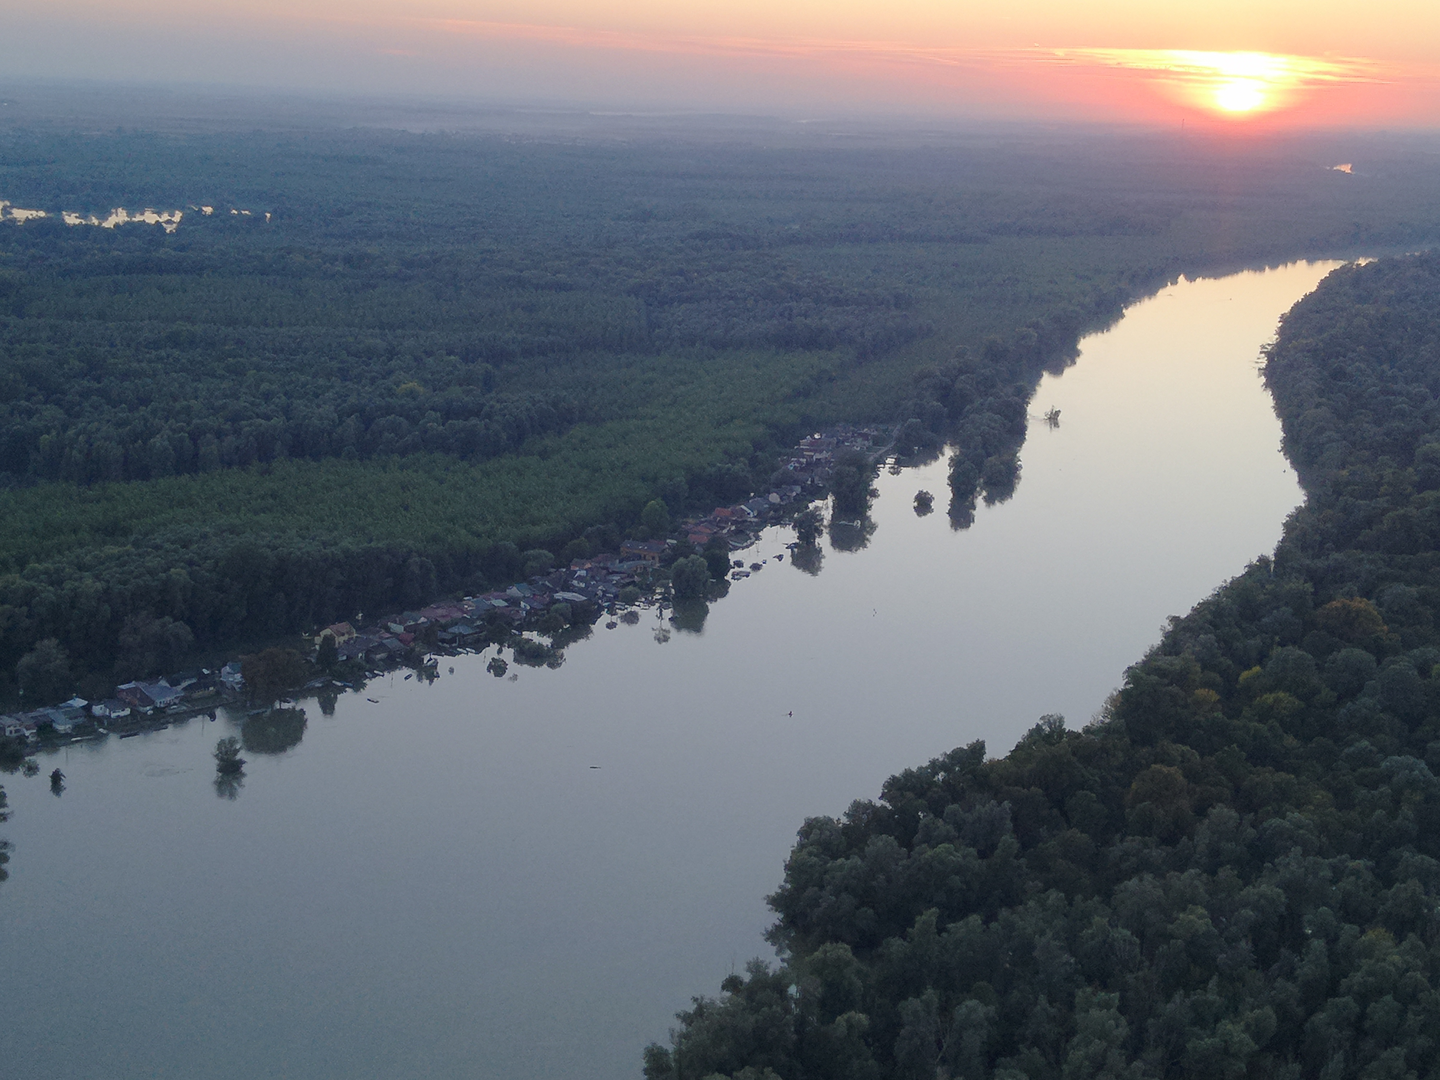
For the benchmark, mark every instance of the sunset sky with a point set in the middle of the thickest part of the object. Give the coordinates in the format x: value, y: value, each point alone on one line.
x: 1224, y: 61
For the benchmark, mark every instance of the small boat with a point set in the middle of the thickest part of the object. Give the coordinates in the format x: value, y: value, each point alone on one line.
x: 410, y: 676
x: 373, y: 700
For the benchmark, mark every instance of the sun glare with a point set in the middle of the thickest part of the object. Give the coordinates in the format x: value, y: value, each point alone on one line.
x: 1239, y: 96
x: 1234, y: 84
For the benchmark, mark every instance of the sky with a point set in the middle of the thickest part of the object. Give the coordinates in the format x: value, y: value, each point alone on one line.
x: 1241, y: 62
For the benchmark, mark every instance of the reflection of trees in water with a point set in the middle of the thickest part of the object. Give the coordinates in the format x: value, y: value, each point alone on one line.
x: 690, y: 615
x: 531, y: 653
x: 809, y: 558
x: 273, y: 732
x: 228, y: 785
x: 571, y: 634
x: 851, y: 536
x: 327, y: 699
x: 962, y: 513
x: 662, y: 635
x: 1000, y: 476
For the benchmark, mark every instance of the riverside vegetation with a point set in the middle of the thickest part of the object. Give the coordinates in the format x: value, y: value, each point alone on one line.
x: 1234, y: 871
x: 419, y: 352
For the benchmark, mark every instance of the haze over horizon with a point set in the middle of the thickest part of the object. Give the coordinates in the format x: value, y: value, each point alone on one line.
x: 1278, y: 66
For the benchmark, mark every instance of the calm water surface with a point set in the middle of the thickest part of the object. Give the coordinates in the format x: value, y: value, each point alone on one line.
x: 526, y: 878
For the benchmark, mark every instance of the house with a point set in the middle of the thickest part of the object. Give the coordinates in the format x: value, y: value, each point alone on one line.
x: 356, y: 647
x: 572, y: 598
x: 758, y: 507
x: 700, y: 533
x: 231, y: 678
x: 13, y: 727
x: 113, y: 709
x: 339, y: 633
x: 458, y: 634
x: 161, y: 694
x: 203, y: 685
x: 134, y: 695
x: 649, y: 551
x: 60, y: 720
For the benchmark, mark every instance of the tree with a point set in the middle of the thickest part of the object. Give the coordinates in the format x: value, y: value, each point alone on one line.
x: 689, y: 577
x: 227, y: 756
x: 717, y: 557
x: 850, y: 484
x: 44, y: 672
x: 328, y: 655
x: 147, y: 645
x: 655, y: 519
x: 270, y: 673
x: 808, y: 524
x: 537, y: 561
x: 273, y: 732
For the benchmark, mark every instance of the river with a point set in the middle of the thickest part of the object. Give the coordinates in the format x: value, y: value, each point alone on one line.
x: 525, y: 878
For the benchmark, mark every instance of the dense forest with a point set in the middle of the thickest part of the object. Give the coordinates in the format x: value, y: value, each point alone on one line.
x: 1232, y: 873
x: 383, y: 354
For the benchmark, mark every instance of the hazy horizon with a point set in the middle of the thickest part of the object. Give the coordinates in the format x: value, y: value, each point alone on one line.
x: 1286, y: 66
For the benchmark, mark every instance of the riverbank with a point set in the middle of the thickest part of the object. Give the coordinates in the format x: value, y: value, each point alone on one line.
x: 560, y: 604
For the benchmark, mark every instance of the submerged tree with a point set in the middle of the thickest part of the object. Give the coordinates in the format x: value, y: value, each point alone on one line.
x: 850, y: 484
x: 227, y: 756
x: 808, y: 525
x: 270, y: 673
x: 689, y: 577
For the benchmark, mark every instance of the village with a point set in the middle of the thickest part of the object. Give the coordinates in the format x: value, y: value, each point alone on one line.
x: 608, y: 586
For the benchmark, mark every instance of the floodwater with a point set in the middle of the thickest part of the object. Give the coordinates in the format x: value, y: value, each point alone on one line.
x: 525, y: 878
x: 120, y: 216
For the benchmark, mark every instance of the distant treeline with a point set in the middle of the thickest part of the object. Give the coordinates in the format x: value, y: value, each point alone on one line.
x: 1235, y: 873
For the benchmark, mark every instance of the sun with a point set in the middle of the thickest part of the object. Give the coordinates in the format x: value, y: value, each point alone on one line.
x: 1236, y: 85
x: 1239, y: 96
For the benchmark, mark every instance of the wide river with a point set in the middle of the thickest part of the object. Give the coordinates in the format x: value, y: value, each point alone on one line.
x: 525, y: 878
